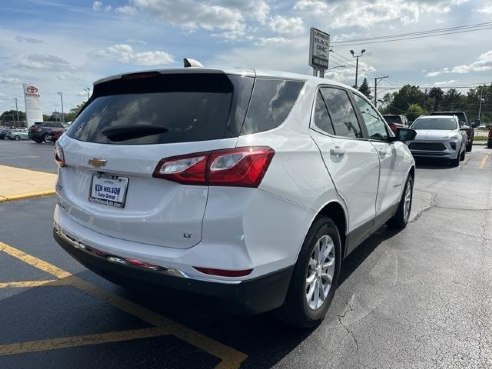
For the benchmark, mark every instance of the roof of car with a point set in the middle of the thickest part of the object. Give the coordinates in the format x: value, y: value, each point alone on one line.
x: 235, y: 71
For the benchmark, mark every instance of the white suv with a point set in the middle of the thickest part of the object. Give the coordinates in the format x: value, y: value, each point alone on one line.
x: 247, y: 187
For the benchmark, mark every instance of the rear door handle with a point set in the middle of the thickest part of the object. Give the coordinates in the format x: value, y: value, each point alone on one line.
x: 337, y: 151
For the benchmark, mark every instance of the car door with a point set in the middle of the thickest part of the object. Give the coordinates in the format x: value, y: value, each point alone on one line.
x: 390, y: 178
x: 352, y: 161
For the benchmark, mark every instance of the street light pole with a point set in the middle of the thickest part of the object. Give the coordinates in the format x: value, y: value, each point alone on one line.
x: 357, y: 63
x: 376, y: 81
x: 61, y: 99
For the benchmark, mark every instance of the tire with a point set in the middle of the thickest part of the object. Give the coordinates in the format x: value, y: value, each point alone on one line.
x: 299, y: 309
x: 46, y: 138
x: 402, y: 216
x: 455, y: 162
x: 17, y: 138
x: 469, y: 147
x: 462, y: 155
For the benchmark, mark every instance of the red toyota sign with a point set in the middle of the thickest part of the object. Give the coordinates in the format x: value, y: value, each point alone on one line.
x: 32, y: 89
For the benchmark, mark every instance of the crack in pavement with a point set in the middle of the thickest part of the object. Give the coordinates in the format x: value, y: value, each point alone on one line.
x: 340, y: 317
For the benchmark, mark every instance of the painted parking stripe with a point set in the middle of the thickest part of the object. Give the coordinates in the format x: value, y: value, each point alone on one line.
x: 25, y: 284
x: 77, y: 341
x: 484, y: 160
x: 230, y: 357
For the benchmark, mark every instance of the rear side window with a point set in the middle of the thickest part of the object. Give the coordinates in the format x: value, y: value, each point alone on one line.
x: 342, y: 112
x: 271, y: 103
x: 322, y: 118
x: 164, y: 109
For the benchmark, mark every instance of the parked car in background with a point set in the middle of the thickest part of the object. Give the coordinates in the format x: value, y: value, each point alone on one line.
x: 489, y: 141
x: 439, y: 136
x: 463, y: 121
x: 40, y: 131
x: 396, y: 121
x: 55, y: 134
x: 249, y: 196
x: 4, y: 133
x: 18, y: 134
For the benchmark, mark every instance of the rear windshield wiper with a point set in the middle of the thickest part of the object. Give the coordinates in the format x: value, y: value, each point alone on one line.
x: 124, y: 133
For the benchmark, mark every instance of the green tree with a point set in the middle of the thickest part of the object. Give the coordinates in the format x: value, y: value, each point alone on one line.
x: 405, y: 97
x: 435, y: 96
x: 364, y: 88
x: 72, y: 114
x: 10, y: 116
x: 414, y: 111
x: 453, y: 100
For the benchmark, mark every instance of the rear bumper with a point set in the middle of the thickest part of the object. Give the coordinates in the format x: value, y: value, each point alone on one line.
x: 252, y: 296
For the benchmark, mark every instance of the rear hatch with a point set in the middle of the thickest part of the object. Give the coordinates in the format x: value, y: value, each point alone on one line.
x: 129, y: 125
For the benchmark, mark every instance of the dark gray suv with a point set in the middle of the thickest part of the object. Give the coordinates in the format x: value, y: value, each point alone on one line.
x: 41, y: 131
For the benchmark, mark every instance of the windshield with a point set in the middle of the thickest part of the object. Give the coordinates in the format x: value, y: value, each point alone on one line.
x: 440, y: 124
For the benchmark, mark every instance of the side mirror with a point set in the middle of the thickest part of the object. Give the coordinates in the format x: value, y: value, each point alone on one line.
x: 404, y: 134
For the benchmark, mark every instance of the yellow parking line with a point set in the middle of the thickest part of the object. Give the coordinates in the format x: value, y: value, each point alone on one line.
x: 77, y: 341
x: 27, y: 195
x: 34, y: 261
x: 230, y: 357
x: 25, y: 284
x: 484, y: 160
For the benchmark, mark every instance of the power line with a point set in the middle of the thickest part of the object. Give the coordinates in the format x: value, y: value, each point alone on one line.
x: 416, y: 35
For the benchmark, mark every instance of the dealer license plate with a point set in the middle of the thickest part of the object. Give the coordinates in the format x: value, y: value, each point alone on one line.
x: 109, y: 190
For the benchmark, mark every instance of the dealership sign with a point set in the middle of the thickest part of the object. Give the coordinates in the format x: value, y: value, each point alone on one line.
x: 319, y: 49
x: 33, y: 104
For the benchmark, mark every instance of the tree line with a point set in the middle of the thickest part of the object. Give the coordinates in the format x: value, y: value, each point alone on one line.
x: 413, y: 101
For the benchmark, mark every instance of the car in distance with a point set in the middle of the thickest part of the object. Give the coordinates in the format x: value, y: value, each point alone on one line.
x: 463, y: 120
x: 4, y: 133
x: 242, y: 186
x: 439, y: 136
x: 17, y: 134
x: 40, y: 131
x: 396, y: 121
x: 489, y: 139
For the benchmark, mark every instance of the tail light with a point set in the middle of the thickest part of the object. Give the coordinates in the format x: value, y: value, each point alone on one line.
x: 224, y: 272
x: 242, y: 167
x: 59, y: 155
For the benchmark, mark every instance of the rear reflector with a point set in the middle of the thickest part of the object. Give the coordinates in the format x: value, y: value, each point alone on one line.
x: 224, y: 272
x: 242, y: 167
x: 59, y: 155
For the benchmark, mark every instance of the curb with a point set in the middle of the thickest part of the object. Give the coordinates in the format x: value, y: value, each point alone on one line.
x: 25, y: 196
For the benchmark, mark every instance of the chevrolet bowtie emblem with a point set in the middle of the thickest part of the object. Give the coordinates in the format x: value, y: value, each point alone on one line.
x: 97, y: 163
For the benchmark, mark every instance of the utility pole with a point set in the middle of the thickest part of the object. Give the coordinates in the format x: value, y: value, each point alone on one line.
x: 480, y: 106
x: 357, y: 63
x: 16, y: 108
x: 376, y: 81
x: 61, y: 99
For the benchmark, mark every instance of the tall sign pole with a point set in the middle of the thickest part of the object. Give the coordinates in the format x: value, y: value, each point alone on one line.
x: 319, y: 50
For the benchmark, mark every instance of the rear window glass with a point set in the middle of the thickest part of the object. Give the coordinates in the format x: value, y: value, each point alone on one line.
x: 164, y: 109
x: 271, y: 103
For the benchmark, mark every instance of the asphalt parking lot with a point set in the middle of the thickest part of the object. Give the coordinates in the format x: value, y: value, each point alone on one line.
x: 420, y: 298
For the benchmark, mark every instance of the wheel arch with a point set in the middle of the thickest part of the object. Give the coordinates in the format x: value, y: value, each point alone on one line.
x: 335, y: 211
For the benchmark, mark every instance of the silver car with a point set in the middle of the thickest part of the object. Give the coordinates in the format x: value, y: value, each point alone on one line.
x: 439, y: 136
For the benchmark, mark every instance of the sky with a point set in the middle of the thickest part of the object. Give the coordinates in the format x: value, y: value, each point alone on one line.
x: 64, y: 46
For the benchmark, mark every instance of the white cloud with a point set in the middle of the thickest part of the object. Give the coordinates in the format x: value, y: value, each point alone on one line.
x: 285, y: 25
x: 485, y: 9
x: 264, y: 41
x: 44, y: 62
x: 126, y: 54
x: 484, y: 63
x: 444, y: 83
x: 368, y: 13
x: 126, y: 10
x: 29, y: 40
x: 99, y: 6
x: 8, y: 79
